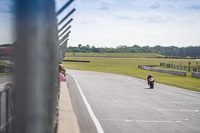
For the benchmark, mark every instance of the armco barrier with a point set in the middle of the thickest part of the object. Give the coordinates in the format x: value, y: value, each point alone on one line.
x: 196, y: 74
x: 175, y: 72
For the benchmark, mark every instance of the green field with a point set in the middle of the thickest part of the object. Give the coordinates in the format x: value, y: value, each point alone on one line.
x: 129, y: 67
x: 119, y: 55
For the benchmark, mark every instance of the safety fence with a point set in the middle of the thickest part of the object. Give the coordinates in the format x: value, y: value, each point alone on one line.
x: 175, y: 72
x: 181, y: 67
x: 63, y: 31
x: 6, y: 108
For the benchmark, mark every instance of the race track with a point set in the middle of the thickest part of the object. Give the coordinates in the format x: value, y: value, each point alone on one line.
x: 123, y: 104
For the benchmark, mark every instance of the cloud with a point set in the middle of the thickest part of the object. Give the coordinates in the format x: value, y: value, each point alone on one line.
x: 109, y: 1
x: 155, y: 6
x: 146, y: 4
x: 182, y: 4
x: 195, y: 7
x: 104, y: 6
x: 136, y: 21
x: 166, y: 4
x: 148, y: 16
x: 88, y: 20
x: 94, y: 5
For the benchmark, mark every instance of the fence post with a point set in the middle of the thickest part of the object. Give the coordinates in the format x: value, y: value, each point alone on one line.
x: 37, y: 59
x: 7, y: 110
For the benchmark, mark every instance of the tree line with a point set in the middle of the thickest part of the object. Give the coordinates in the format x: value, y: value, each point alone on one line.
x: 191, y: 51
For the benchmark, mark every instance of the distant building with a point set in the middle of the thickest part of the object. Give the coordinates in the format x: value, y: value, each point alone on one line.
x: 6, y: 51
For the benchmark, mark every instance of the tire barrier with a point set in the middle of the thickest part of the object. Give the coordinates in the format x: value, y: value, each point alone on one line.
x: 174, y: 72
x: 195, y: 74
x: 87, y: 61
x: 93, y: 56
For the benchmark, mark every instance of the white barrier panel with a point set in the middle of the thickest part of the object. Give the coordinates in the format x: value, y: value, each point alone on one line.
x: 175, y: 72
x: 196, y: 74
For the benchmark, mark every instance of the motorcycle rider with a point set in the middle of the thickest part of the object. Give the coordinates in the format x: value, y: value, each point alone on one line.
x: 148, y: 77
x: 150, y: 81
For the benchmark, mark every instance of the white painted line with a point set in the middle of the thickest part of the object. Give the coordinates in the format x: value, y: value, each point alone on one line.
x: 146, y: 121
x: 185, y: 103
x: 95, y: 120
x: 181, y: 110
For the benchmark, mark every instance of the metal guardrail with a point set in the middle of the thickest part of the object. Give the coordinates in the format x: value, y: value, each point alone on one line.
x: 6, y: 108
x: 174, y: 72
x: 195, y: 75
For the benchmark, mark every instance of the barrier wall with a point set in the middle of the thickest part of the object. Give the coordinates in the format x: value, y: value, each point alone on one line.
x: 175, y: 72
x: 196, y: 74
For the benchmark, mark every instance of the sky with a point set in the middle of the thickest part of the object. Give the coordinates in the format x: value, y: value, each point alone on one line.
x: 110, y: 23
x: 6, y: 21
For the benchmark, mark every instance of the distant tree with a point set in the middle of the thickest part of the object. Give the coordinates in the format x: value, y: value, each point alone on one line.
x: 95, y: 50
x: 192, y: 51
x: 147, y: 49
x: 69, y: 49
x: 79, y: 45
x: 76, y: 50
x: 6, y: 45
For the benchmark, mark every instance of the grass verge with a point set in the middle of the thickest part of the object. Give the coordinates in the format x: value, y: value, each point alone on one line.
x: 118, y: 55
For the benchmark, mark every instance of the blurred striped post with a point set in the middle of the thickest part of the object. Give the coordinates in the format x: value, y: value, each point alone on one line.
x: 37, y: 58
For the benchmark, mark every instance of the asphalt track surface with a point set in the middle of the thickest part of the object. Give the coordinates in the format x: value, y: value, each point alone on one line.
x: 124, y: 104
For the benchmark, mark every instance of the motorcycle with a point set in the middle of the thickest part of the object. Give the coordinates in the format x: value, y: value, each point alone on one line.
x: 151, y: 82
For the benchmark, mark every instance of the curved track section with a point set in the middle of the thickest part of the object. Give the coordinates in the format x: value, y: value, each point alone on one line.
x: 124, y: 104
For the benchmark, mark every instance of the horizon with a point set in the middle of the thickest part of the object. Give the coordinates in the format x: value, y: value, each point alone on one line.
x: 122, y: 45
